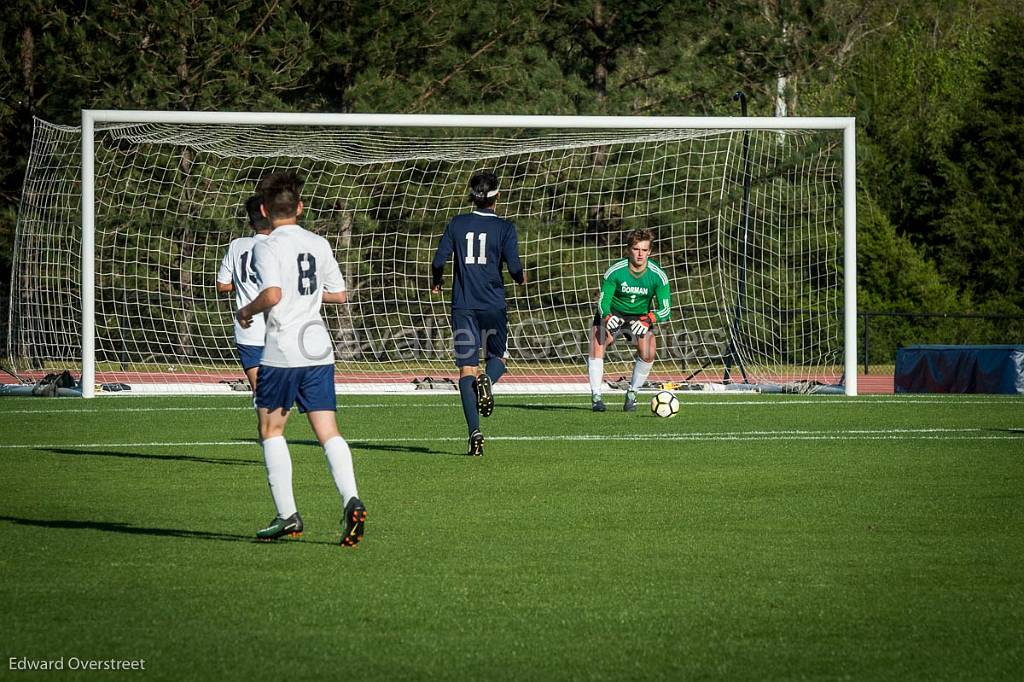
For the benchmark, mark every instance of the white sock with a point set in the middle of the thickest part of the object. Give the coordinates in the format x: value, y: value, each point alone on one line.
x: 640, y: 371
x: 339, y: 461
x: 279, y: 475
x: 595, y: 369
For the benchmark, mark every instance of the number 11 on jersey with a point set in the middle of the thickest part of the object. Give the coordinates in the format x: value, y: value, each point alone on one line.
x: 482, y: 258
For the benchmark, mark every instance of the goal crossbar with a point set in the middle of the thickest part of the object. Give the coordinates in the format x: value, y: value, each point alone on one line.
x: 468, y: 120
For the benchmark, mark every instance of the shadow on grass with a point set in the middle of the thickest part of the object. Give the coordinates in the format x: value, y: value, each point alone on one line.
x: 127, y: 529
x: 92, y: 452
x: 412, y: 449
x: 367, y: 445
x: 227, y: 461
x: 544, y: 408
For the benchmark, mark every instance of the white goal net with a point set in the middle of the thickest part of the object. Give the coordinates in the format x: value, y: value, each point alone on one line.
x: 749, y: 226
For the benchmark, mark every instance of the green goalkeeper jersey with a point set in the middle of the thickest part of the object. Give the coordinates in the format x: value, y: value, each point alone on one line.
x: 624, y: 292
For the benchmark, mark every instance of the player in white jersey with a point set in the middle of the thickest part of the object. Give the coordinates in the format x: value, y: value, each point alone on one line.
x: 236, y: 275
x: 296, y: 272
x: 302, y: 265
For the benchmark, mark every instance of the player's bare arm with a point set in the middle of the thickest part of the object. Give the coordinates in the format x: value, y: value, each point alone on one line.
x: 335, y: 297
x: 267, y: 299
x: 225, y: 288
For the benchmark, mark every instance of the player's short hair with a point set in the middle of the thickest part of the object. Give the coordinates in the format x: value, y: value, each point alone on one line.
x: 483, y: 188
x: 639, y: 236
x: 280, y: 194
x: 257, y: 220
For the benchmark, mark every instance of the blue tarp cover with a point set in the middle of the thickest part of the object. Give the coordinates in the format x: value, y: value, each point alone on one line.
x: 960, y: 369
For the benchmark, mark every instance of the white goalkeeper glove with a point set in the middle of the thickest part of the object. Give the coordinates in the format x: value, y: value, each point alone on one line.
x: 641, y: 325
x: 612, y: 322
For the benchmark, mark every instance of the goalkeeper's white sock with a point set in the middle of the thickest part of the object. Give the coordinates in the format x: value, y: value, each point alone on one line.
x: 339, y: 461
x: 640, y: 371
x: 279, y: 475
x: 595, y: 369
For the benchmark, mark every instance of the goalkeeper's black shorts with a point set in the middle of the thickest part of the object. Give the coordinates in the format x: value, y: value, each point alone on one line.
x: 624, y: 329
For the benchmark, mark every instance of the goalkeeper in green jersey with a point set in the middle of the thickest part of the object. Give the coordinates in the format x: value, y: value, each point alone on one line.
x: 634, y: 299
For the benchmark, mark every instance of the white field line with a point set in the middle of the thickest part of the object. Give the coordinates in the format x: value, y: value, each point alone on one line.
x: 1015, y: 434
x: 452, y: 401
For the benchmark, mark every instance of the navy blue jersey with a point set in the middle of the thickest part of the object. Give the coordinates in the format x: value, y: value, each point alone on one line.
x: 482, y: 243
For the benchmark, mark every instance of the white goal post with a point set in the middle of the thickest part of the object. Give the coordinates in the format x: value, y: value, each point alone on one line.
x: 754, y: 221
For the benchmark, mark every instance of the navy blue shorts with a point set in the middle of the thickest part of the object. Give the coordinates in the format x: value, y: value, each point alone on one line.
x: 476, y: 329
x: 312, y: 388
x: 250, y: 356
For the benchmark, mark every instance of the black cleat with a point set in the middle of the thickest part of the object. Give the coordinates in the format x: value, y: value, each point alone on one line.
x: 279, y: 528
x: 630, y: 404
x: 476, y: 445
x: 484, y: 396
x: 597, y: 405
x: 352, y: 525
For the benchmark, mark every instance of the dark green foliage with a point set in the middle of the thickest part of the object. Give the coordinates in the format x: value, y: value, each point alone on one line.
x: 980, y: 232
x: 936, y: 87
x: 944, y: 146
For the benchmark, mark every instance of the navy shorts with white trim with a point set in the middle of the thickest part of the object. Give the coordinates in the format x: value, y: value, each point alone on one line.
x: 473, y: 329
x: 312, y: 388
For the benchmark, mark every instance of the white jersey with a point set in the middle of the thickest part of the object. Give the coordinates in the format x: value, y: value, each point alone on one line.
x: 303, y: 266
x: 236, y: 269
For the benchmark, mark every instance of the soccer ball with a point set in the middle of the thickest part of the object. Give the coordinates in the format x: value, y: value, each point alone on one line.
x: 664, y: 404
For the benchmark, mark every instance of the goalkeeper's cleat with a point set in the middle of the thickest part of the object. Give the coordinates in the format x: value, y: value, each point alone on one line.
x: 596, y: 404
x: 279, y: 528
x: 630, y: 404
x: 484, y: 396
x: 476, y: 445
x: 353, y: 523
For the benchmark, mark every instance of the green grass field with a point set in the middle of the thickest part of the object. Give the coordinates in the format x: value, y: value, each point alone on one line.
x: 751, y: 537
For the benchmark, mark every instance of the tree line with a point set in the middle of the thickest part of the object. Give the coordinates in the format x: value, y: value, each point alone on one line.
x: 936, y: 87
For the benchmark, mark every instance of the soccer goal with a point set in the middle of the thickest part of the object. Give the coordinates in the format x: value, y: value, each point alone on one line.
x: 124, y: 220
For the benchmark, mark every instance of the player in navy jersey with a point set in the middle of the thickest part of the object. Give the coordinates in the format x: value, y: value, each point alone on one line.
x: 482, y: 244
